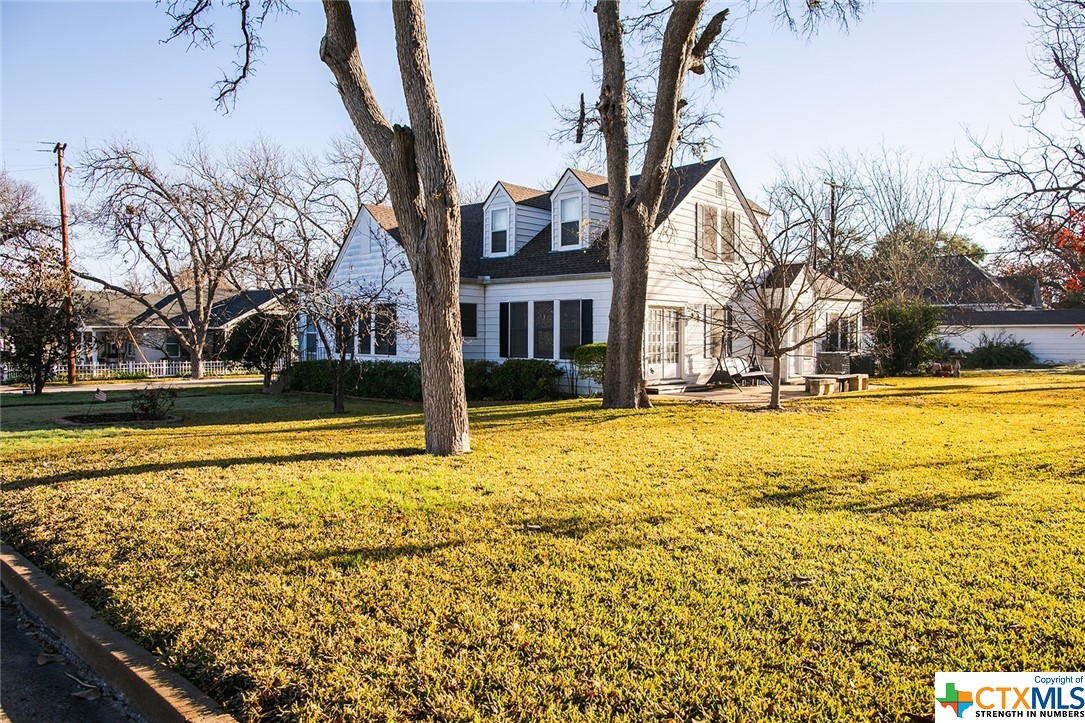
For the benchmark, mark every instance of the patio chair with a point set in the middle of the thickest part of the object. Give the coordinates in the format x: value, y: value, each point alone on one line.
x: 746, y: 374
x: 721, y: 376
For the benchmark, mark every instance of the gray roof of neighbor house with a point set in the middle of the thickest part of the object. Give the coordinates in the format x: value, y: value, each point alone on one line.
x: 1024, y: 287
x: 112, y: 309
x: 961, y: 281
x: 535, y: 258
x: 1013, y: 317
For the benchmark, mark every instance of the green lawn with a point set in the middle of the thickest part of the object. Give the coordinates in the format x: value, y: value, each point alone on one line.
x: 681, y: 563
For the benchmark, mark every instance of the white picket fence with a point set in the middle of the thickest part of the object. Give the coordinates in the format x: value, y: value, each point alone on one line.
x: 158, y: 369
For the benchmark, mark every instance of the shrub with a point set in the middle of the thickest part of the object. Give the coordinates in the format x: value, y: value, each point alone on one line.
x: 385, y: 380
x: 590, y: 360
x: 902, y: 334
x: 529, y: 380
x: 478, y: 378
x: 120, y: 374
x: 1001, y: 352
x: 310, y: 376
x: 516, y: 379
x: 153, y: 402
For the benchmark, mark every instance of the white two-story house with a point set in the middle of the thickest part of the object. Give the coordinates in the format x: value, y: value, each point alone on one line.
x: 535, y: 280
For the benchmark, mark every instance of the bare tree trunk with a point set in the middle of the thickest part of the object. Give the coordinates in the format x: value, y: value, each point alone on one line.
x: 197, y: 365
x: 267, y: 380
x: 633, y: 215
x: 777, y: 378
x: 422, y: 188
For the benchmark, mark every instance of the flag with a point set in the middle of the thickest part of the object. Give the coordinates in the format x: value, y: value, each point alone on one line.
x: 99, y: 395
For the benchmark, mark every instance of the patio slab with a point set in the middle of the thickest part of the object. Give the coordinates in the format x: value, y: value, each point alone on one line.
x: 758, y: 395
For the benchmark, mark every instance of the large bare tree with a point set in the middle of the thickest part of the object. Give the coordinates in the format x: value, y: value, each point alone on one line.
x: 682, y: 45
x: 187, y: 225
x: 418, y: 169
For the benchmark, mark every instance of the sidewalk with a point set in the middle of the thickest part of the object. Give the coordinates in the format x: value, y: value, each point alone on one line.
x: 33, y: 692
x: 111, y: 386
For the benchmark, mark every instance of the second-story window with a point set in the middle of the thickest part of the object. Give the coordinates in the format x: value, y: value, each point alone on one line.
x: 570, y: 222
x: 499, y: 230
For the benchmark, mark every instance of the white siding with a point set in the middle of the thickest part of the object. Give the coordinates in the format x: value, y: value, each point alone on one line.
x: 1054, y: 344
x: 593, y: 212
x: 499, y: 199
x: 529, y: 221
x: 366, y: 262
x: 677, y: 278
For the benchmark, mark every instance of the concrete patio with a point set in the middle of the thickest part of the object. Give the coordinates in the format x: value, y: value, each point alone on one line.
x: 758, y: 395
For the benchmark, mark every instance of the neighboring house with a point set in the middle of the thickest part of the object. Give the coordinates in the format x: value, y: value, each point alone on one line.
x: 535, y: 279
x: 978, y: 305
x: 117, y: 329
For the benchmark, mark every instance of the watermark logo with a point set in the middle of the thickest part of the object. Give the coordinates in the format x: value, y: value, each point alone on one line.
x: 957, y: 700
x: 974, y: 696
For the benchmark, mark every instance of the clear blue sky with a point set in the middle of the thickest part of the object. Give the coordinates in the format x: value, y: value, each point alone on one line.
x: 910, y: 74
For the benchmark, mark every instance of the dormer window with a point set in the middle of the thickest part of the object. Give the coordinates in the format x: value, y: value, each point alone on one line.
x: 570, y: 221
x: 499, y: 231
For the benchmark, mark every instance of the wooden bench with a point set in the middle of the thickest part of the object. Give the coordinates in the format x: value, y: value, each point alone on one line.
x: 821, y: 384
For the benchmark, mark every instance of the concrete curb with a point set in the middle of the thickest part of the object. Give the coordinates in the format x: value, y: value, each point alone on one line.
x: 148, y: 687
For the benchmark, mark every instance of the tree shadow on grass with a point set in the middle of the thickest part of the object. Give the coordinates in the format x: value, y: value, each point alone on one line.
x: 137, y: 469
x: 820, y: 498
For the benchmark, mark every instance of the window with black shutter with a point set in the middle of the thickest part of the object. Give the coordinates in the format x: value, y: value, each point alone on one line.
x: 544, y: 330
x: 384, y: 327
x: 365, y: 335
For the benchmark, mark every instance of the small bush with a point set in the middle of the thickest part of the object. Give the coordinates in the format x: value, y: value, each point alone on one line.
x: 1001, y: 352
x: 478, y: 377
x: 528, y: 380
x: 120, y: 374
x: 590, y: 360
x: 153, y: 402
x: 385, y: 380
x: 902, y: 334
x: 310, y: 376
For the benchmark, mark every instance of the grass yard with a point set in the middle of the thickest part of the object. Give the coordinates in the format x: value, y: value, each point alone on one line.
x: 688, y: 562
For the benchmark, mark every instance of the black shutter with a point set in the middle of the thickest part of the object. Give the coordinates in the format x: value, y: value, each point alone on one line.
x: 585, y: 321
x: 503, y: 333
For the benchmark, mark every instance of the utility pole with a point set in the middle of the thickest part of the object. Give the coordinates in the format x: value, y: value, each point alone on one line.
x: 69, y: 314
x: 832, y: 225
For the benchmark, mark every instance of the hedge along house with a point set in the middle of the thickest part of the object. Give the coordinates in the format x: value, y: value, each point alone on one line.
x: 535, y: 279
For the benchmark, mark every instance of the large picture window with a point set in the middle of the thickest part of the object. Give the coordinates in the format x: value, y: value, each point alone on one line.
x: 499, y: 231
x: 570, y: 221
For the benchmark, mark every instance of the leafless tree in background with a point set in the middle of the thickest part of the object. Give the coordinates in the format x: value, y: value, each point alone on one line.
x: 416, y: 165
x: 1036, y: 188
x: 188, y: 226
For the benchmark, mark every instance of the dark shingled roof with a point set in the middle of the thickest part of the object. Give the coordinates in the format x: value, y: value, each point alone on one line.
x: 525, y: 196
x: 227, y: 307
x: 1014, y: 317
x: 535, y: 258
x: 1024, y: 287
x: 111, y: 309
x: 961, y: 281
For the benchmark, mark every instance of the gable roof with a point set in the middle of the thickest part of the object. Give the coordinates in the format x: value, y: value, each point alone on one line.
x: 110, y: 309
x: 526, y: 196
x: 592, y: 181
x: 1024, y: 287
x: 962, y: 282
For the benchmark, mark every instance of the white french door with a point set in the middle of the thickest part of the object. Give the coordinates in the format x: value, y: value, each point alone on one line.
x: 663, y: 343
